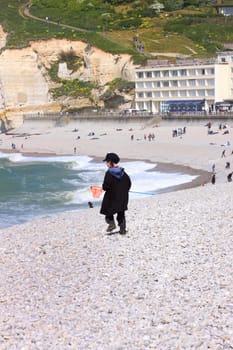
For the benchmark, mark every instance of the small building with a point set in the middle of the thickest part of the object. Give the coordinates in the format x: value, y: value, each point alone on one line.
x: 185, y: 86
x: 225, y: 10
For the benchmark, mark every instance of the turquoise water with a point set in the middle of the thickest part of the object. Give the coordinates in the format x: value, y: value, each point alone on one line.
x: 40, y: 186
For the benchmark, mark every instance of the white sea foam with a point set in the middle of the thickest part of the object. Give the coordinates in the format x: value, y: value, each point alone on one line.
x: 78, y: 161
x: 143, y: 181
x: 83, y: 196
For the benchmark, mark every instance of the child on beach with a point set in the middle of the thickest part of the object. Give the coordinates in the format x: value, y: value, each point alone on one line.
x: 116, y: 186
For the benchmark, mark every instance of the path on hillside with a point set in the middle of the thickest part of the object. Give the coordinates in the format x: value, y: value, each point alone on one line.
x: 24, y: 11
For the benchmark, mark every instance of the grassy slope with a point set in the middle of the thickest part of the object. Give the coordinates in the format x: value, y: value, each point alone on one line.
x: 195, y: 36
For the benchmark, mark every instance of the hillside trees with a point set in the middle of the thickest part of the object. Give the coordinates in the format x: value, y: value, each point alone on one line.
x: 170, y: 5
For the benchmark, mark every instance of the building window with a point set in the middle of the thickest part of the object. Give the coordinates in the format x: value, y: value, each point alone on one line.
x: 156, y: 94
x: 210, y: 92
x: 174, y: 73
x: 183, y: 93
x: 192, y: 93
x: 183, y: 83
x: 183, y: 72
x: 157, y: 84
x: 139, y: 85
x: 174, y: 83
x: 203, y: 71
x: 174, y: 93
x: 140, y: 105
x: 140, y: 94
x: 192, y: 82
x: 149, y: 94
x: 210, y: 82
x: 166, y: 73
x: 192, y: 72
x: 148, y: 84
x: 149, y: 74
x: 209, y: 71
x: 165, y: 93
x: 140, y: 75
x: 201, y: 82
x: 201, y: 92
x: 157, y: 74
x: 166, y: 83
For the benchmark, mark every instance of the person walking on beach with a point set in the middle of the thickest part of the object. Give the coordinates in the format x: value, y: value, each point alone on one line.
x: 116, y: 185
x: 229, y: 177
x: 213, y: 179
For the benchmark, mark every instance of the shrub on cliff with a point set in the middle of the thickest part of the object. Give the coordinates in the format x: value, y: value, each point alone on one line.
x: 73, y: 88
x: 72, y: 60
x: 119, y: 85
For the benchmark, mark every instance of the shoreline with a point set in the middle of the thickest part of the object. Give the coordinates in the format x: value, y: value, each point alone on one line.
x: 202, y: 176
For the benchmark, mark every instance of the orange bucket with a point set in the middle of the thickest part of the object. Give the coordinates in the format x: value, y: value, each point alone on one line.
x: 96, y: 191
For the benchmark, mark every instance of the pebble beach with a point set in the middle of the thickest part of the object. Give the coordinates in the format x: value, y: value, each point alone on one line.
x: 167, y: 284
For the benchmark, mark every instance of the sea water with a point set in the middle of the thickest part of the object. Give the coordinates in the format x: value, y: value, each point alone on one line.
x: 40, y: 186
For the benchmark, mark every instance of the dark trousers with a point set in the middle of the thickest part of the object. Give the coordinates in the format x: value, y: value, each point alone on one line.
x: 120, y: 218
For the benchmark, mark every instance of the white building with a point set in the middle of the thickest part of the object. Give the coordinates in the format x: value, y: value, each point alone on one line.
x: 190, y: 85
x: 225, y: 10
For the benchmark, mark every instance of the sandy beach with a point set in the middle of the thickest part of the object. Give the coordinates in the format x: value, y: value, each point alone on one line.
x: 167, y: 284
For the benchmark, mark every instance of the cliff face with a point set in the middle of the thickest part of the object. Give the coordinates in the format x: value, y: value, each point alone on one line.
x: 22, y: 80
x: 25, y: 83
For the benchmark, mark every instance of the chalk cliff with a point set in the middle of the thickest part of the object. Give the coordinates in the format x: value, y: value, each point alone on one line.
x: 24, y: 79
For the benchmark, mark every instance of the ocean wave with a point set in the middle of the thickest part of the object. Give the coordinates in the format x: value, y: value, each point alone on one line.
x: 33, y: 186
x: 80, y: 161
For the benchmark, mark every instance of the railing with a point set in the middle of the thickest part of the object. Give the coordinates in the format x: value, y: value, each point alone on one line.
x: 198, y: 115
x: 124, y: 116
x: 41, y: 116
x: 85, y: 115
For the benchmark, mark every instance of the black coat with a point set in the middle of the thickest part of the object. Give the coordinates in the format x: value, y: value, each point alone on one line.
x: 116, y: 194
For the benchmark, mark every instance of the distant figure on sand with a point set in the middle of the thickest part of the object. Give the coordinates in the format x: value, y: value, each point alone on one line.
x: 213, y: 168
x: 228, y: 165
x: 223, y: 154
x: 116, y: 186
x: 213, y: 179
x: 229, y: 177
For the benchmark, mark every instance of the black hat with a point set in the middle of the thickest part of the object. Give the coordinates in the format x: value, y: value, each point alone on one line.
x: 111, y: 157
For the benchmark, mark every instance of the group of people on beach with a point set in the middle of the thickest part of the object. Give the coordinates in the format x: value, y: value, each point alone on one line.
x: 178, y: 132
x: 149, y: 137
x: 227, y: 166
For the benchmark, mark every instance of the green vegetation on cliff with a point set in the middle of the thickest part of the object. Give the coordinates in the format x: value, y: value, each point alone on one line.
x: 138, y: 27
x: 73, y: 88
